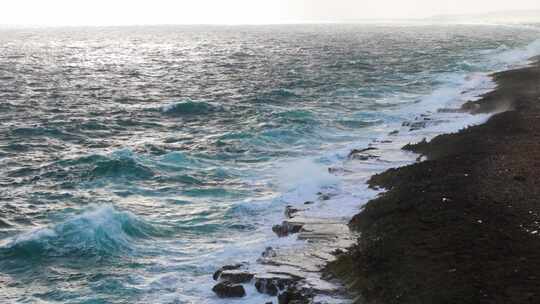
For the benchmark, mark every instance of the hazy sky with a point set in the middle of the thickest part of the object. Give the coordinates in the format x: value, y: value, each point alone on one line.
x: 118, y: 12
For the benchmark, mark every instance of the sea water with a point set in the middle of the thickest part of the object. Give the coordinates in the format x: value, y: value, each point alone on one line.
x: 135, y: 161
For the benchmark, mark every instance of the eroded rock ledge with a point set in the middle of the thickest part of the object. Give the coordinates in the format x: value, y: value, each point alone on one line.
x: 291, y: 275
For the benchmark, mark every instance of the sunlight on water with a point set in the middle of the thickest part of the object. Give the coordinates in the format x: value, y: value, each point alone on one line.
x: 136, y: 161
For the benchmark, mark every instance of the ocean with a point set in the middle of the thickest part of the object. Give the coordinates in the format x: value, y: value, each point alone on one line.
x: 135, y: 161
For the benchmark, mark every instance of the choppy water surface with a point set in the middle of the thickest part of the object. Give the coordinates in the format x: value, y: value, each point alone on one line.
x: 135, y: 161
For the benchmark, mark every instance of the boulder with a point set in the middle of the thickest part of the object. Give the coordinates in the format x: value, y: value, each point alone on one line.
x: 290, y: 211
x: 360, y: 151
x: 218, y: 272
x: 273, y: 285
x: 286, y: 228
x: 266, y: 288
x: 269, y: 252
x: 229, y: 290
x: 236, y: 276
x: 294, y: 296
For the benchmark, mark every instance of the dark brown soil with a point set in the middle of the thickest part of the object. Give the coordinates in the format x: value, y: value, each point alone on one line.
x: 463, y: 226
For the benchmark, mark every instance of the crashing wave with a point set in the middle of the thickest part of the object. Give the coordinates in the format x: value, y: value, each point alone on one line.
x: 100, y: 231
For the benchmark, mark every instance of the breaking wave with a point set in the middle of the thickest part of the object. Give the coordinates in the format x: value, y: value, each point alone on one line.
x: 100, y: 231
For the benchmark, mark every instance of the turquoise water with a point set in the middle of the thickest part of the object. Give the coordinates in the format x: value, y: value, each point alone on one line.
x: 135, y: 161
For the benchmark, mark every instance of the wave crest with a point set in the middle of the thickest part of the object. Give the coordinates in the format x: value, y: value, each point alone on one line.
x: 100, y: 231
x: 120, y: 164
x: 188, y: 107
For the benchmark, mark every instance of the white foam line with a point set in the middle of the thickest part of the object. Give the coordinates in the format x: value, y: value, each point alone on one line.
x: 300, y: 180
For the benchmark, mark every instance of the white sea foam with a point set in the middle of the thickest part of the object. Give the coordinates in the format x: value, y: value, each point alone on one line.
x: 301, y: 179
x: 101, y: 230
x: 509, y: 58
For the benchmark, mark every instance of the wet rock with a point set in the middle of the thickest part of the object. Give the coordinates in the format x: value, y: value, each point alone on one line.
x: 417, y: 125
x: 360, y: 151
x: 290, y: 211
x: 236, y: 276
x: 269, y: 252
x: 337, y: 252
x: 362, y: 154
x: 272, y: 286
x: 267, y: 288
x: 287, y: 228
x: 333, y: 170
x: 229, y: 290
x: 365, y: 157
x: 325, y: 197
x: 218, y: 272
x: 294, y: 296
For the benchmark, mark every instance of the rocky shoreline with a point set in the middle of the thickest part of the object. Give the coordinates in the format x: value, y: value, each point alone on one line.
x: 291, y: 275
x: 438, y: 234
x: 464, y: 225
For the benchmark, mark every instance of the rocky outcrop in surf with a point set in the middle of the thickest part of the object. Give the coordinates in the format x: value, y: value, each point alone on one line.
x: 290, y: 275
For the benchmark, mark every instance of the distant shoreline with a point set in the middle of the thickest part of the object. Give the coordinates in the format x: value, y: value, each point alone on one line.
x: 463, y: 226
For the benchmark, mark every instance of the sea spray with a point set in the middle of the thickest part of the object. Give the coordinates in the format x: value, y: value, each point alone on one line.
x: 196, y: 152
x: 99, y: 231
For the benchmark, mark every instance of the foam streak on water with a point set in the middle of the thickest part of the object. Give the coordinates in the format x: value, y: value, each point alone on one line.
x: 136, y: 161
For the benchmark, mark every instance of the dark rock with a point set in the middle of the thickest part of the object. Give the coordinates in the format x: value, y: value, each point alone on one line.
x: 362, y: 154
x: 287, y: 228
x: 360, y: 151
x: 365, y: 157
x: 236, y: 276
x: 309, y: 203
x: 217, y: 274
x: 417, y: 125
x: 520, y: 178
x: 294, y: 296
x: 264, y: 287
x: 324, y: 196
x: 272, y: 286
x: 395, y: 132
x: 229, y: 290
x: 269, y: 252
x: 290, y: 211
x: 338, y: 252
